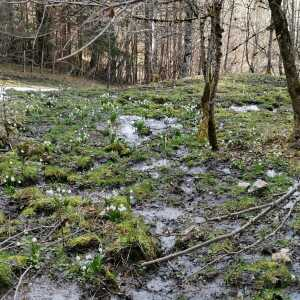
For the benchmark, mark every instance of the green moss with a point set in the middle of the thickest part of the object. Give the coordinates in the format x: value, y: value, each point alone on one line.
x: 119, y: 147
x: 107, y: 175
x: 143, y: 191
x: 83, y: 242
x: 45, y: 205
x: 2, y: 217
x: 55, y: 173
x: 271, y: 294
x: 8, y: 264
x: 83, y: 162
x: 133, y: 240
x: 14, y: 171
x: 141, y: 128
x: 27, y: 195
x: 33, y: 150
x: 243, y: 202
x: 266, y: 274
x: 221, y: 247
x: 6, y: 274
x: 119, y: 200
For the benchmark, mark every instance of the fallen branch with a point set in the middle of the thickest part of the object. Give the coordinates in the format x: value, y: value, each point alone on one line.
x: 227, y: 235
x: 228, y: 255
x: 20, y: 282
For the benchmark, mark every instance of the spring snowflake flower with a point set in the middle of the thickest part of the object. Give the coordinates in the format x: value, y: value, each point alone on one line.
x: 88, y: 257
x: 12, y: 179
x: 18, y: 244
x: 122, y: 208
x: 83, y: 268
x: 34, y: 240
x: 78, y: 258
x: 100, y: 250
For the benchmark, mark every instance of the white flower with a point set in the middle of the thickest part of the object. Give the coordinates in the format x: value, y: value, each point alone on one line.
x: 18, y: 244
x: 12, y: 179
x: 122, y: 208
x: 22, y: 151
x: 34, y: 240
x: 83, y: 268
x: 112, y: 207
x: 25, y: 232
x: 100, y: 250
x: 69, y: 191
x: 50, y: 192
x: 88, y: 257
x: 19, y: 181
x: 77, y: 258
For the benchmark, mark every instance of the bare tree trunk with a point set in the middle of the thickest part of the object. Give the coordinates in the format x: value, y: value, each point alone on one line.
x: 288, y: 58
x: 207, y: 128
x: 270, y: 45
x: 187, y: 53
x: 148, y: 43
x: 229, y: 35
x: 202, y: 58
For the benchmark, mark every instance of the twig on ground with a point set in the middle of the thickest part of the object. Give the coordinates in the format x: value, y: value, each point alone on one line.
x: 20, y: 282
x: 228, y: 255
x: 227, y: 235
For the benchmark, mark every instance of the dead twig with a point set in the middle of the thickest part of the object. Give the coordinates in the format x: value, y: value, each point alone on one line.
x: 20, y: 282
x: 227, y: 235
x: 256, y: 243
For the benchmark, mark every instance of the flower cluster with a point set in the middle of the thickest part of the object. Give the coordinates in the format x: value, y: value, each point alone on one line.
x: 112, y: 207
x: 59, y: 192
x: 90, y: 259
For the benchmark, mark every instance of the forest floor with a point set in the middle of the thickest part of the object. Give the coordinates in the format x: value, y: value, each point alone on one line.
x: 98, y: 181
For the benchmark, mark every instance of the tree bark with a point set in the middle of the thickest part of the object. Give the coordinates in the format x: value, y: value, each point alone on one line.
x: 288, y: 59
x: 207, y: 128
x: 148, y: 43
x: 229, y: 35
x: 187, y: 52
x: 270, y: 46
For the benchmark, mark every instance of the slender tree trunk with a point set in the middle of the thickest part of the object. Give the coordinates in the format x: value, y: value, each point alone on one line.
x: 202, y: 58
x: 187, y: 52
x: 207, y: 126
x: 148, y: 43
x: 229, y: 35
x: 288, y: 58
x: 270, y: 46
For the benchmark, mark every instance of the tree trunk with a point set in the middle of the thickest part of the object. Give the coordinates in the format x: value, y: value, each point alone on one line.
x: 270, y: 44
x: 229, y: 35
x: 207, y: 128
x: 288, y: 59
x: 187, y: 52
x: 148, y: 43
x: 202, y: 58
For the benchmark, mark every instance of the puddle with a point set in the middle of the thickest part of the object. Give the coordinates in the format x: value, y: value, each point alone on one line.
x: 28, y: 89
x: 167, y: 242
x: 127, y: 131
x: 245, y: 108
x: 294, y: 296
x: 160, y: 213
x: 44, y: 288
x: 153, y: 164
x: 196, y: 170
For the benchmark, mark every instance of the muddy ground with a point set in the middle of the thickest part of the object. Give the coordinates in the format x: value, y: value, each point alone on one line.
x: 94, y: 182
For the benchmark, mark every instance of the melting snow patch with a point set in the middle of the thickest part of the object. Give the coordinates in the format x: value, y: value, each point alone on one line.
x: 246, y: 108
x: 26, y: 89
